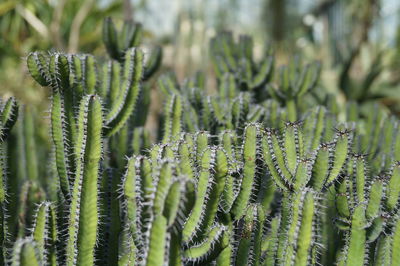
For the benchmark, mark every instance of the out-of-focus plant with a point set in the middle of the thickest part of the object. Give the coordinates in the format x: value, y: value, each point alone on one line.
x: 64, y: 25
x: 30, y: 25
x: 359, y: 65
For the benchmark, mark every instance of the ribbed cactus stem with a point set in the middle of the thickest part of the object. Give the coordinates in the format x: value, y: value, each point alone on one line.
x: 356, y: 250
x: 45, y: 233
x: 25, y: 253
x: 3, y: 210
x: 8, y: 117
x: 395, y: 258
x: 214, y: 194
x: 383, y: 254
x: 88, y: 220
x: 300, y: 229
x: 249, y: 156
x: 130, y: 197
x: 83, y: 210
x: 202, y: 186
x: 125, y: 105
x: 157, y: 241
x: 59, y: 140
x: 173, y: 114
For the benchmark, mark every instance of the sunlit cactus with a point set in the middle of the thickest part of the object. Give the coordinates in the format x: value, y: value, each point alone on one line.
x: 265, y: 171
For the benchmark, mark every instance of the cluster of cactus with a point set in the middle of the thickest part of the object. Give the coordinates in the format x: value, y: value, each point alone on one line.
x: 249, y: 176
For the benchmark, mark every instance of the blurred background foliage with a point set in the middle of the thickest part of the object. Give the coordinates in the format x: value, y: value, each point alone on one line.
x: 357, y: 41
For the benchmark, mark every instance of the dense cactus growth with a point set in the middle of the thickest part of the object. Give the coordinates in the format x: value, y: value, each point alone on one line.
x: 263, y: 172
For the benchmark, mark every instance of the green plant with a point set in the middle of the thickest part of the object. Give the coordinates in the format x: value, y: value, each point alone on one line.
x: 8, y: 115
x: 253, y: 175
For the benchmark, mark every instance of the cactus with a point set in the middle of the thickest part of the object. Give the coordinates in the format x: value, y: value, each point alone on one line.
x: 8, y: 115
x: 45, y: 233
x: 117, y: 44
x: 255, y: 174
x: 25, y: 252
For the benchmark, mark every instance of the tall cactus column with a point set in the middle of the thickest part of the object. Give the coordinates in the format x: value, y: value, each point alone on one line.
x: 83, y: 219
x: 8, y: 117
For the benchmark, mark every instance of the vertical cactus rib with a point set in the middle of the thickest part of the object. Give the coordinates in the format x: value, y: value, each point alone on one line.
x: 110, y: 216
x: 123, y: 108
x: 396, y: 241
x: 3, y: 209
x: 305, y: 235
x: 359, y: 182
x: 59, y: 140
x: 321, y: 166
x: 88, y: 220
x: 341, y: 150
x: 114, y: 82
x: 202, y: 186
x: 185, y: 160
x: 316, y: 127
x: 243, y: 252
x: 89, y: 75
x: 131, y: 206
x: 45, y: 233
x: 270, y: 242
x: 342, y: 199
x: 277, y: 156
x: 83, y: 211
x: 291, y: 146
x: 173, y: 114
x: 375, y: 196
x: 393, y: 187
x: 302, y: 205
x: 157, y: 241
x: 225, y: 256
x: 8, y: 117
x: 249, y: 156
x: 383, y: 251
x: 77, y: 68
x: 249, y: 248
x: 214, y: 195
x: 163, y: 184
x: 201, y: 142
x: 61, y: 83
x: 173, y: 201
x: 269, y: 161
x: 356, y: 250
x: 74, y: 205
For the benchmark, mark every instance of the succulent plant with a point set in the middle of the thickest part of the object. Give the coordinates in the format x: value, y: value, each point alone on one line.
x: 255, y: 174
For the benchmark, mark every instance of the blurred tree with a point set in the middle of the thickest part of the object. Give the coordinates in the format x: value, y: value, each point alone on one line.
x: 277, y: 9
x: 282, y: 23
